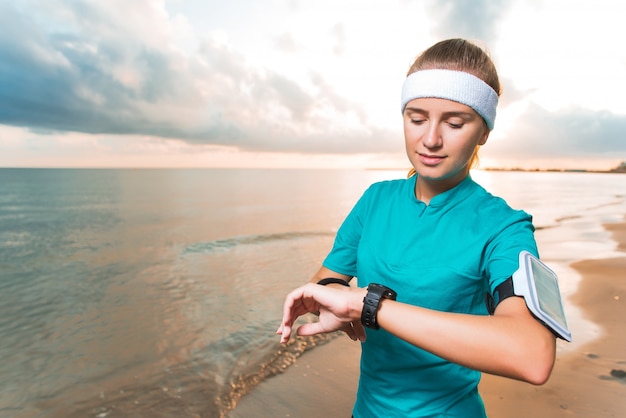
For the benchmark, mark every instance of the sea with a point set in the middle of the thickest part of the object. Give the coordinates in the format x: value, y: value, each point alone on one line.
x: 157, y: 292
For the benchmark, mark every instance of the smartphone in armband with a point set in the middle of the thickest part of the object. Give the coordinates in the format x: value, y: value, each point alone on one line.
x: 539, y: 286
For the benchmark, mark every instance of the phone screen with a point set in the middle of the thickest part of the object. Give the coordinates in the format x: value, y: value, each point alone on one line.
x: 548, y: 293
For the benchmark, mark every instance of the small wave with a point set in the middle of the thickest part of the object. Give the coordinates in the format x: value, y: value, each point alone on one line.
x: 227, y: 244
x: 570, y: 217
x: 209, y: 383
x: 274, y: 364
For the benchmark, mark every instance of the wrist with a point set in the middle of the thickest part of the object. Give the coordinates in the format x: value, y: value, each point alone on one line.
x: 376, y: 293
x: 356, y: 303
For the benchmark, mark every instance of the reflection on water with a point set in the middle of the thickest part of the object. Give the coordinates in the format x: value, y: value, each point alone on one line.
x: 104, y: 302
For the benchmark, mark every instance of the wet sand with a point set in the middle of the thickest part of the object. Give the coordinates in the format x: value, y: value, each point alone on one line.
x: 588, y: 382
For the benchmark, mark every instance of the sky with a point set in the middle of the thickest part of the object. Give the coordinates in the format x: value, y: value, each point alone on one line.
x: 295, y: 83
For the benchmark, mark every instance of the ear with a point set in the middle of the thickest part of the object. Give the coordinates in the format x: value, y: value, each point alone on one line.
x: 483, y: 140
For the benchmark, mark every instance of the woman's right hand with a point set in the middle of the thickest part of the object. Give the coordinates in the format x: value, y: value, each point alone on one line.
x: 339, y: 309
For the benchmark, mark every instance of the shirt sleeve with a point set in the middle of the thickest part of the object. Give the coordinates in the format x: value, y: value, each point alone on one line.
x: 343, y: 256
x: 502, y: 252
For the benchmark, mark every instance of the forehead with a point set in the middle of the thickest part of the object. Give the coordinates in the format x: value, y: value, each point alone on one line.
x: 432, y: 104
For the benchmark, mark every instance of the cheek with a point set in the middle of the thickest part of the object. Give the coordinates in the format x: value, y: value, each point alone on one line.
x: 468, y: 150
x: 409, y: 138
x: 406, y: 128
x: 412, y: 133
x: 468, y: 144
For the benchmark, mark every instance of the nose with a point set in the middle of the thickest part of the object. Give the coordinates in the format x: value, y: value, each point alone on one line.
x: 432, y: 137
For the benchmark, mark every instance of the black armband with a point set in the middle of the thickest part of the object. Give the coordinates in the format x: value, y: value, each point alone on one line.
x: 333, y: 280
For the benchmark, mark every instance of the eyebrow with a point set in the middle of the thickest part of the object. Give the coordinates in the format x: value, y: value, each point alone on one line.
x: 460, y: 114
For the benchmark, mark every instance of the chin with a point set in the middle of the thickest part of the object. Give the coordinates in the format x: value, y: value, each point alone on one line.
x: 441, y: 174
x: 432, y: 173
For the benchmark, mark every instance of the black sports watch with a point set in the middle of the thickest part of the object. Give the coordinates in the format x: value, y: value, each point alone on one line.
x: 371, y: 302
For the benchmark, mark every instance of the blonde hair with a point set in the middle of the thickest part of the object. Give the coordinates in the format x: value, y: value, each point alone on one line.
x: 459, y: 55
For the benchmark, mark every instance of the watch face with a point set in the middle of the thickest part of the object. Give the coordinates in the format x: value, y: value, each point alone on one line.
x: 382, y: 291
x: 375, y: 288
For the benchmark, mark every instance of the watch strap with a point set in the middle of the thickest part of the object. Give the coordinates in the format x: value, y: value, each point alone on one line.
x: 371, y: 303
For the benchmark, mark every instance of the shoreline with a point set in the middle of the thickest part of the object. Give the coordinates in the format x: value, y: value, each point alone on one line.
x: 588, y: 381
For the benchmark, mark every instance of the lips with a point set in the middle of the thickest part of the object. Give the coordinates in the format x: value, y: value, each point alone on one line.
x: 428, y: 159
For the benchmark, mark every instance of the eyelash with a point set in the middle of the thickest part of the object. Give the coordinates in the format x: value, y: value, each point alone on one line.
x: 452, y: 125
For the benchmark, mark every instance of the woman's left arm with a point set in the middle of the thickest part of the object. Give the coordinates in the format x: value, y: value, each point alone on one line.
x: 511, y: 343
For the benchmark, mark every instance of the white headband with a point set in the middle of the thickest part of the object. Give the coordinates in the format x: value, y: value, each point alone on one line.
x: 457, y: 86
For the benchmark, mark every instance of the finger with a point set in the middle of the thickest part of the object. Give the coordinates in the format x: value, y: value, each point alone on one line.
x: 285, y: 334
x: 293, y: 306
x: 349, y: 331
x: 359, y: 331
x: 310, y: 329
x: 292, y: 309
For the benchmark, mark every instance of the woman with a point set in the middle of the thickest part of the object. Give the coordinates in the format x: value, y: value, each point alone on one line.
x: 436, y: 243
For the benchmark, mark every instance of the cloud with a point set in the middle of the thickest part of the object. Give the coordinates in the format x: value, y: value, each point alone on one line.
x: 339, y: 33
x: 75, y: 74
x: 467, y: 19
x: 571, y: 133
x: 287, y: 43
x: 99, y: 76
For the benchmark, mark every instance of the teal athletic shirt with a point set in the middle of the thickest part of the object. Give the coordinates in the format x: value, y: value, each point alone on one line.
x: 441, y: 256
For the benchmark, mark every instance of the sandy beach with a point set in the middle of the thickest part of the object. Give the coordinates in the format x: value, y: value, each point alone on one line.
x: 588, y: 382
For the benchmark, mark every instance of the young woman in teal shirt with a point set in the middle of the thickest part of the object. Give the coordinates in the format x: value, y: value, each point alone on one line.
x: 425, y: 250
